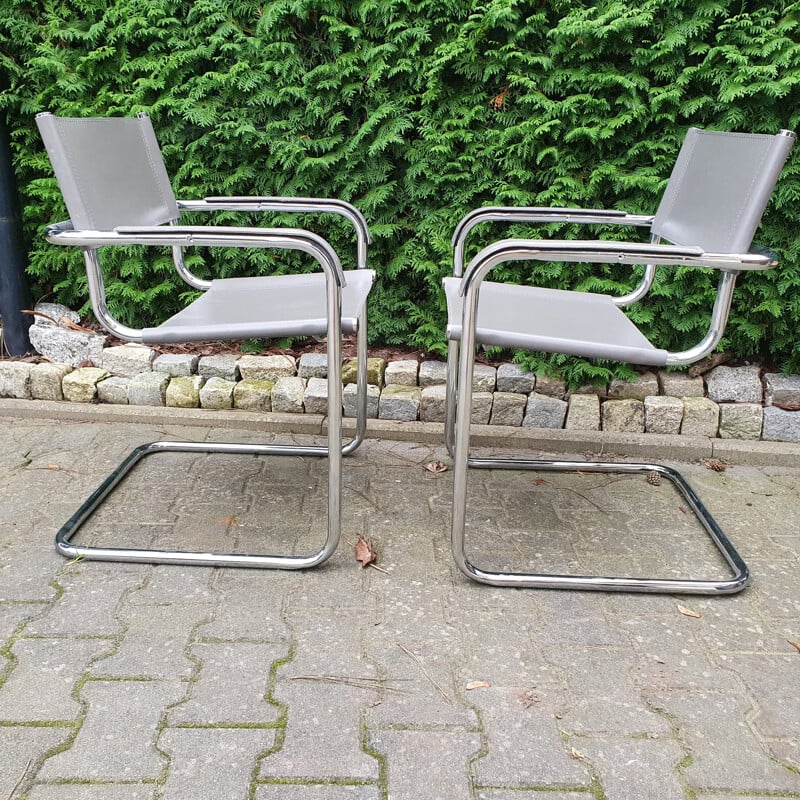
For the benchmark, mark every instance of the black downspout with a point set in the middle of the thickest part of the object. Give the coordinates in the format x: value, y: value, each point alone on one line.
x: 14, y: 292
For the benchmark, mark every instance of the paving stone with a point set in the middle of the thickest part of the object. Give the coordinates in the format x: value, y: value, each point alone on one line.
x: 212, y: 762
x: 154, y: 644
x: 663, y: 414
x: 113, y: 390
x: 265, y: 368
x: 780, y: 425
x: 183, y: 391
x: 605, y: 696
x: 13, y: 615
x: 127, y: 360
x: 20, y: 746
x: 93, y: 791
x: 28, y: 576
x: 399, y: 402
x: 544, y: 411
x: 253, y: 395
x: 231, y: 685
x: 512, y: 378
x: 46, y: 381
x: 724, y: 751
x: 524, y: 745
x: 590, y: 388
x: 87, y: 604
x: 106, y: 750
x: 782, y: 390
x: 349, y: 394
x: 234, y: 619
x: 40, y: 686
x: 583, y: 412
x: 552, y: 387
x: 323, y: 734
x: 481, y: 407
x: 313, y: 365
x: 735, y: 385
x: 433, y: 403
x: 740, y: 420
x: 402, y: 373
x: 15, y: 379
x: 643, y: 386
x: 147, y: 389
x: 287, y: 395
x: 767, y: 678
x: 700, y: 417
x: 222, y: 366
x: 508, y: 408
x: 679, y: 384
x: 64, y: 346
x: 80, y: 386
x: 432, y: 373
x: 318, y: 791
x: 217, y: 393
x: 176, y: 365
x: 630, y: 769
x: 523, y: 794
x: 450, y: 751
x: 484, y: 378
x: 623, y: 416
x: 315, y: 397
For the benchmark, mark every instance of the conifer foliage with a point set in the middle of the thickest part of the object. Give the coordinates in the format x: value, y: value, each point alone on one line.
x: 417, y: 112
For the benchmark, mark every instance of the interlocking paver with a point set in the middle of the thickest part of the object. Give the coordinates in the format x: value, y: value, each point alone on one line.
x: 41, y: 683
x: 631, y: 769
x: 326, y: 791
x: 448, y: 754
x: 21, y: 747
x: 212, y: 762
x: 116, y: 741
x: 155, y: 643
x: 231, y: 685
x: 89, y: 791
x: 725, y: 752
x: 524, y: 743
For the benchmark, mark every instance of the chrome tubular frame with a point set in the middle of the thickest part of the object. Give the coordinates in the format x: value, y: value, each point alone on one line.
x: 301, y: 205
x: 178, y: 237
x: 459, y: 398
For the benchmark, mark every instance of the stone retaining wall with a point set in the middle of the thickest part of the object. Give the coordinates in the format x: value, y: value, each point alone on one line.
x: 730, y: 403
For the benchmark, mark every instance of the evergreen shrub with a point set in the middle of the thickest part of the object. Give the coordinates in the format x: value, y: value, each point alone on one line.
x: 417, y: 112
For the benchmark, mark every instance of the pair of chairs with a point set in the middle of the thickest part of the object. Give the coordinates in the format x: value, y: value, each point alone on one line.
x: 118, y: 193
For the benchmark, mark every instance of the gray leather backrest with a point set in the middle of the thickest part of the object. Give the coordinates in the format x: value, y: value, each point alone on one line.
x: 110, y: 171
x: 719, y: 188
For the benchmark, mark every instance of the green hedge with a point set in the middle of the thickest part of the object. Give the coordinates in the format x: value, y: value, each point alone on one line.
x: 417, y: 112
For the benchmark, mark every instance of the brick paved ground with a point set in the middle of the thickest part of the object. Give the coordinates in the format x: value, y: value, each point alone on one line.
x: 158, y: 682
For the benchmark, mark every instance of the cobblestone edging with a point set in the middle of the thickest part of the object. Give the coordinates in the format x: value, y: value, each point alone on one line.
x: 730, y: 403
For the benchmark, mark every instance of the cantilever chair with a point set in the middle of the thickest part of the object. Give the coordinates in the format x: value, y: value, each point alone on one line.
x: 117, y: 192
x: 712, y: 205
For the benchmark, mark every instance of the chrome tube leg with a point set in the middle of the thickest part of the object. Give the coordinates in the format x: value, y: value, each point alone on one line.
x: 450, y: 397
x: 361, y: 386
x: 462, y: 414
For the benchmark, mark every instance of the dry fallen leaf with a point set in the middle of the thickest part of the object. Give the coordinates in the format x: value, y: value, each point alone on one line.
x: 796, y: 645
x: 529, y: 698
x: 477, y: 685
x: 539, y: 482
x: 232, y: 521
x: 366, y: 553
x: 576, y: 753
x: 715, y: 464
x: 52, y: 466
x: 436, y: 467
x: 688, y: 612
